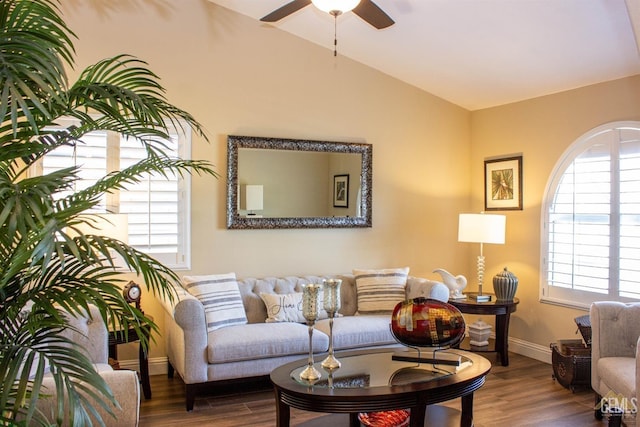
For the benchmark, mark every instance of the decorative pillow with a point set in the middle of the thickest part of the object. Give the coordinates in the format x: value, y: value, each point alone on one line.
x: 283, y: 307
x: 221, y: 298
x: 380, y: 290
x: 288, y: 307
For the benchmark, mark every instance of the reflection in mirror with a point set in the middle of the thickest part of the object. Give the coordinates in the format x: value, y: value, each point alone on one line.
x: 288, y: 183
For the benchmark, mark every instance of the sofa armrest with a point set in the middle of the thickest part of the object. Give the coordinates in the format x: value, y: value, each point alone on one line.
x: 420, y: 287
x: 125, y: 387
x: 186, y: 336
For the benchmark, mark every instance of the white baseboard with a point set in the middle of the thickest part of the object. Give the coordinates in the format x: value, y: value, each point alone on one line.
x: 158, y: 365
x: 529, y: 349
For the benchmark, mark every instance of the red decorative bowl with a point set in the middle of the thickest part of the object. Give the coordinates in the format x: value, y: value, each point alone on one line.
x: 424, y: 322
x: 397, y: 418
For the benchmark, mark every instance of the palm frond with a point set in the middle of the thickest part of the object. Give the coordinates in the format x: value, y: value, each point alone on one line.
x: 35, y: 44
x: 135, y: 173
x: 125, y: 92
x: 49, y: 266
x: 40, y: 339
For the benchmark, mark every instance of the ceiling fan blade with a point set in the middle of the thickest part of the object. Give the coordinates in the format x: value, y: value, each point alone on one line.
x: 370, y: 12
x: 285, y: 10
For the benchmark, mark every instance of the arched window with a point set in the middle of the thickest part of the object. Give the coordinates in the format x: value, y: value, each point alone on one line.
x: 590, y: 247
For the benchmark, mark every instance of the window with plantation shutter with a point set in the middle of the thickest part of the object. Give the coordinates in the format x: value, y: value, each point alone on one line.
x: 91, y: 154
x: 157, y: 207
x: 153, y: 205
x: 591, y: 220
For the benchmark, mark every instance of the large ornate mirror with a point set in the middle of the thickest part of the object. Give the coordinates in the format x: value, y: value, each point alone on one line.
x: 290, y: 183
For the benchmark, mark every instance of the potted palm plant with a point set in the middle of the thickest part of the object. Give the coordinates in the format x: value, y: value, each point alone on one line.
x: 45, y: 269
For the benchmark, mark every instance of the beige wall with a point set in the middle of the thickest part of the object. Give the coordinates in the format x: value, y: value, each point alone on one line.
x: 541, y: 129
x: 238, y: 76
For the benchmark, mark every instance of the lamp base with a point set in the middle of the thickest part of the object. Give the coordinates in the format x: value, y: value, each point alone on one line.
x: 478, y: 297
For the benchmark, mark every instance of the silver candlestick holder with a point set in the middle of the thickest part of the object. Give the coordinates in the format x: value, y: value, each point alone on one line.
x: 331, y: 304
x: 310, y: 313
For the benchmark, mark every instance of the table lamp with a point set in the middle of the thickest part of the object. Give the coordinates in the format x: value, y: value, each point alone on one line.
x: 253, y: 199
x: 481, y: 228
x: 115, y: 226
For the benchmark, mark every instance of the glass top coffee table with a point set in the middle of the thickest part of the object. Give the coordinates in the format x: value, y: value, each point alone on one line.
x: 370, y: 381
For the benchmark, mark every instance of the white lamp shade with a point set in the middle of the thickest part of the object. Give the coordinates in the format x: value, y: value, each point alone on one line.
x: 253, y: 197
x: 481, y: 228
x: 115, y: 226
x: 332, y: 5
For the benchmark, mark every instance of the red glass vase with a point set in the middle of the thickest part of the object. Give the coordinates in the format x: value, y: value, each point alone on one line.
x: 424, y: 322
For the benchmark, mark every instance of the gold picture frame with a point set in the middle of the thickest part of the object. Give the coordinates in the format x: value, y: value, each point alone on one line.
x: 503, y: 184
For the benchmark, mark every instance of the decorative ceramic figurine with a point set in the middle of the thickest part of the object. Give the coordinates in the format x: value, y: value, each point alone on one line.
x: 479, y: 332
x: 505, y: 285
x: 455, y: 283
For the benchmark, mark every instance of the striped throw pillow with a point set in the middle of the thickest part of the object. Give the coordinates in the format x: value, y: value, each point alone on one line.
x: 221, y: 298
x: 380, y: 290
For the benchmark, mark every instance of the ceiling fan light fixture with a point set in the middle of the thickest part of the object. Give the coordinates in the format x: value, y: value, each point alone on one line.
x: 335, y: 7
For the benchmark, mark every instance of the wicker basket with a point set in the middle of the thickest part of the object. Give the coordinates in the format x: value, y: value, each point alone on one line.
x: 584, y: 326
x: 571, y: 364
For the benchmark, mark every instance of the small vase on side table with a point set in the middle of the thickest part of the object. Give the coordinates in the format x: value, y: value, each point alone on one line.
x: 505, y: 285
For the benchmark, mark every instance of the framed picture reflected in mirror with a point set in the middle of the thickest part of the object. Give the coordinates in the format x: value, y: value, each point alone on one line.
x: 341, y: 191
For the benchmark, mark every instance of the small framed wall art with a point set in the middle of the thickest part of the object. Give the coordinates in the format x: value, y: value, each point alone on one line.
x: 503, y: 184
x: 341, y: 191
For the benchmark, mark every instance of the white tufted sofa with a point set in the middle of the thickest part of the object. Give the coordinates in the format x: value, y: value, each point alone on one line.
x: 615, y: 361
x: 256, y: 348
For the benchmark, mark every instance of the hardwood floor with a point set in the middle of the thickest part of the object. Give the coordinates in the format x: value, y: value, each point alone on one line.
x: 522, y: 394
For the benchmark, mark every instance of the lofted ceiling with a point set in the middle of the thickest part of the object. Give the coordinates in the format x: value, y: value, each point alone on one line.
x: 480, y: 53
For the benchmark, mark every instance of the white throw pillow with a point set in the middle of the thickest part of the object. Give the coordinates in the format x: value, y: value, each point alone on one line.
x: 288, y: 307
x: 283, y: 307
x: 380, y: 290
x: 220, y: 295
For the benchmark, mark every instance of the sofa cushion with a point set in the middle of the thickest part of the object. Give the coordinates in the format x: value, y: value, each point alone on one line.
x: 380, y: 290
x: 358, y: 331
x: 617, y: 374
x: 220, y: 296
x: 262, y: 340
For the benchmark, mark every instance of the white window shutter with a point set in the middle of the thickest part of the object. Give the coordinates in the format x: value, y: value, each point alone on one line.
x: 591, y: 228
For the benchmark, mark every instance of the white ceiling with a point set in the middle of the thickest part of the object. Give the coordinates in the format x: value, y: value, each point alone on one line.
x: 480, y: 53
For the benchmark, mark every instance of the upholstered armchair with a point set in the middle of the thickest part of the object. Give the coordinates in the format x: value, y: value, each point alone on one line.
x: 91, y: 333
x: 615, y: 361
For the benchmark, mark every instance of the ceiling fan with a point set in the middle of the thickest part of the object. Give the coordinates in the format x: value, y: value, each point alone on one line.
x: 365, y: 9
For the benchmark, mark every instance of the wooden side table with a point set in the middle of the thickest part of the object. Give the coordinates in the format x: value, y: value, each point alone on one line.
x: 502, y: 311
x: 116, y: 338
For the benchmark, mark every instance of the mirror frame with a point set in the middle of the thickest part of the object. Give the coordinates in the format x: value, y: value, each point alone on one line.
x: 235, y: 221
